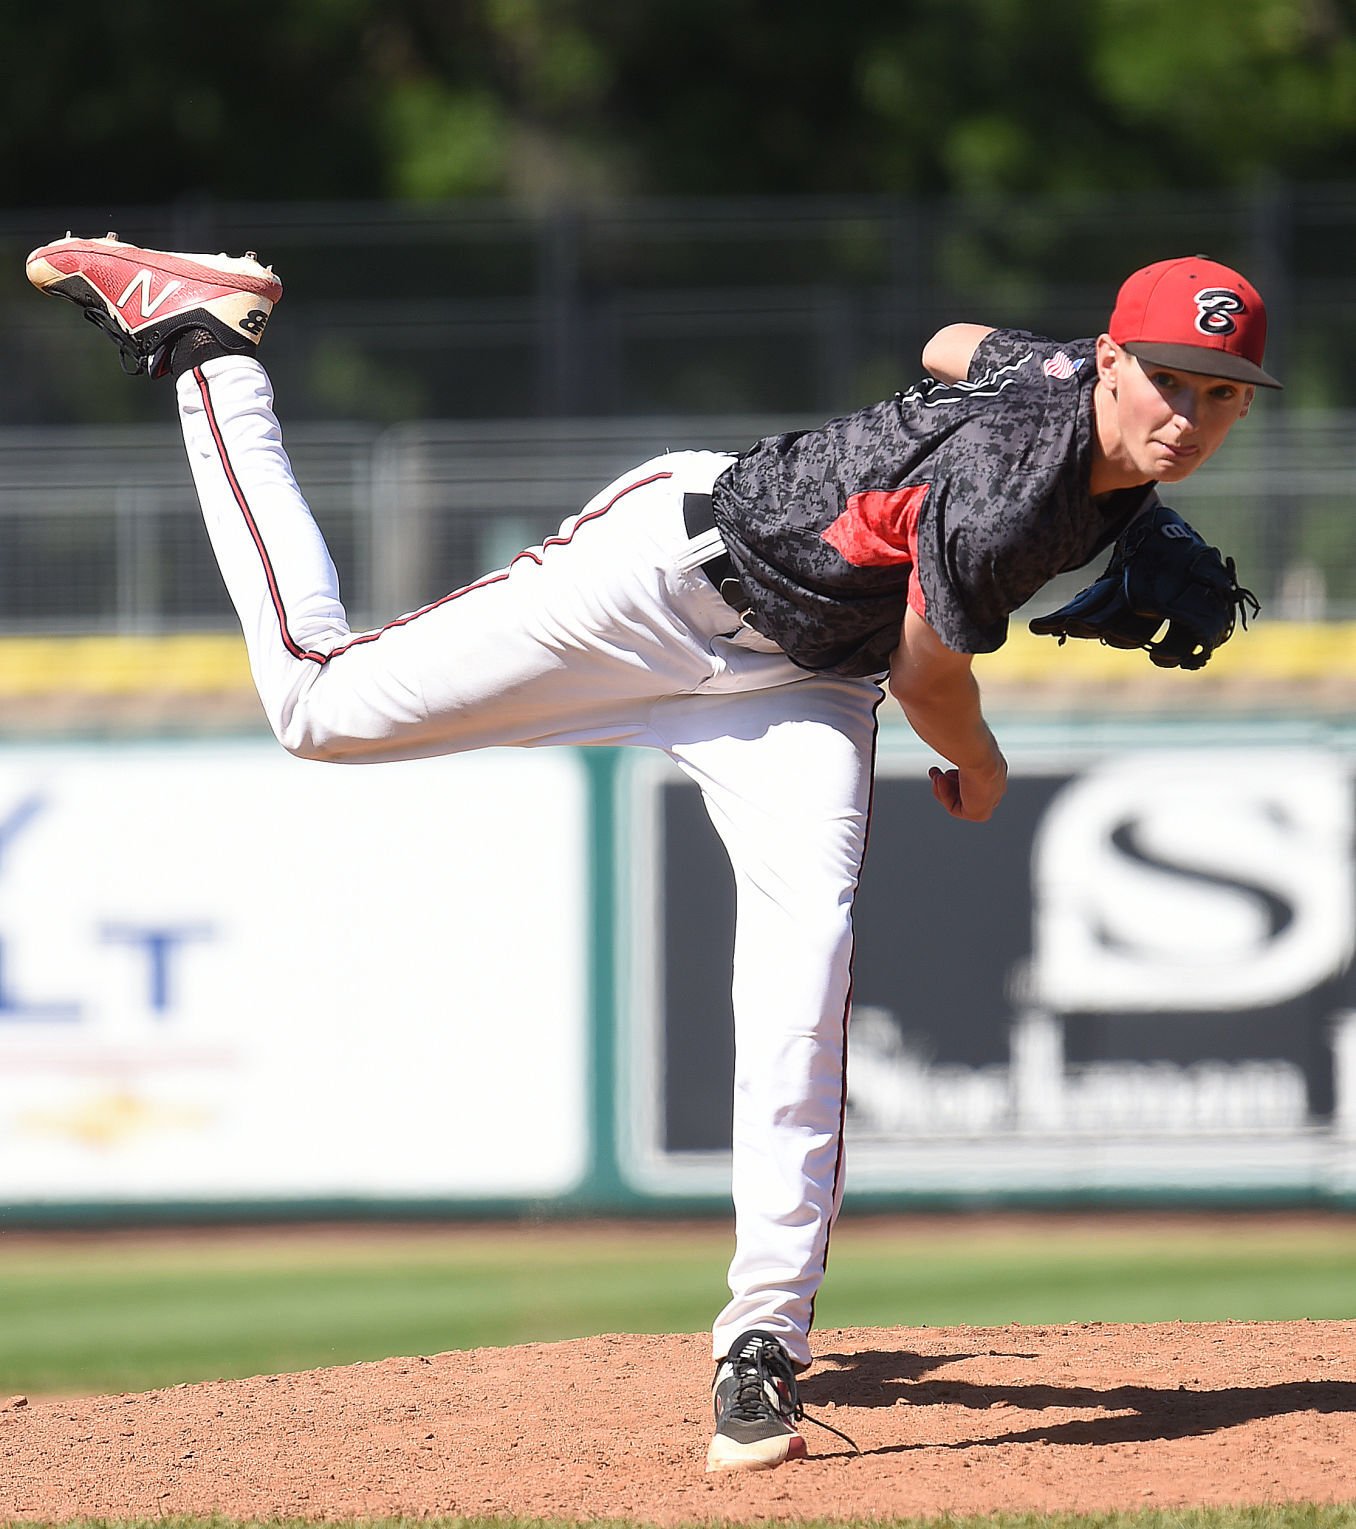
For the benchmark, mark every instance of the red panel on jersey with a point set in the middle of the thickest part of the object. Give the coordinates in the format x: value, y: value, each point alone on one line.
x: 879, y: 527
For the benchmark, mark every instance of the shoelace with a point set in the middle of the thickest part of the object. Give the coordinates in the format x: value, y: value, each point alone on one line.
x: 1244, y: 599
x: 767, y: 1364
x: 129, y: 353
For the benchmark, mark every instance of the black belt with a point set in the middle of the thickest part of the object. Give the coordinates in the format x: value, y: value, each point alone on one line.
x: 699, y: 519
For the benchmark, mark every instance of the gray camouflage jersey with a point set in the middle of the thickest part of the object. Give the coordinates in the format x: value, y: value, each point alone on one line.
x: 978, y: 489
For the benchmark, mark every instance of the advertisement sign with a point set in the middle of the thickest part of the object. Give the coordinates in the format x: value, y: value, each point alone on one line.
x: 1137, y: 977
x: 229, y: 975
x: 231, y: 978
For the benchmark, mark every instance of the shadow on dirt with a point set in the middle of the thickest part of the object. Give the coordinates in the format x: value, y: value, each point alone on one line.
x: 1141, y: 1413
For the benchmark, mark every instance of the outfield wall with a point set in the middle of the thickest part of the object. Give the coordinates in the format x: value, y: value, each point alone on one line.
x: 233, y: 982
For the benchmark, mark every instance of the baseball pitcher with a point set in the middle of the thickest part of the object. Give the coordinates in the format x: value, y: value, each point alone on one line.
x: 744, y: 613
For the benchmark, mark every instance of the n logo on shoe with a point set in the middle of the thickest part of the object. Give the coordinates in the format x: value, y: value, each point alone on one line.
x: 142, y: 282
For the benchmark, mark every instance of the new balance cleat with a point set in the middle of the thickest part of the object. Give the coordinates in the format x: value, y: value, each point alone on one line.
x: 757, y: 1407
x: 146, y: 300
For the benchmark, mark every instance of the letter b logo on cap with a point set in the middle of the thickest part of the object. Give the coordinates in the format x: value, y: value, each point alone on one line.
x: 1215, y: 307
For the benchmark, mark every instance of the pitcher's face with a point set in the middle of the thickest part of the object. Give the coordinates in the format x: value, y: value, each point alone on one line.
x: 1161, y: 424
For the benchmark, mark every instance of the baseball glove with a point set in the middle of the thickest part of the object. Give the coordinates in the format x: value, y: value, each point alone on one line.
x: 1164, y: 590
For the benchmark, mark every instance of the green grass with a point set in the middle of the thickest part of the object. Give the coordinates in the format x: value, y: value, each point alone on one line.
x: 1166, y: 1273
x: 110, y: 1314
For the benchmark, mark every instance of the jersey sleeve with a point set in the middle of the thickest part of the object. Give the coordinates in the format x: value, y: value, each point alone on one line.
x: 998, y: 348
x: 1008, y: 509
x: 1001, y: 349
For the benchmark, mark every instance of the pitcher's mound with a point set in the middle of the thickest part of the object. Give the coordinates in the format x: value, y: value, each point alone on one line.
x: 956, y: 1420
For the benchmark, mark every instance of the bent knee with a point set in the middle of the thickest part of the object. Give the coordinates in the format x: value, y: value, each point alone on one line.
x: 336, y: 723
x: 304, y: 742
x: 306, y: 733
x: 309, y: 747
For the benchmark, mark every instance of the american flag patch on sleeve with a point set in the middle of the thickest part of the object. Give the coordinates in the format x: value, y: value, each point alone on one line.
x: 1061, y: 365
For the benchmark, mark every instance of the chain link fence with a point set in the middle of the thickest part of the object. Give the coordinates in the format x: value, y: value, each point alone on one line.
x: 99, y: 527
x: 456, y: 379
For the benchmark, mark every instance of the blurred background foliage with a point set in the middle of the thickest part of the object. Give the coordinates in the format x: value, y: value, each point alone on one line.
x: 699, y: 209
x: 426, y: 100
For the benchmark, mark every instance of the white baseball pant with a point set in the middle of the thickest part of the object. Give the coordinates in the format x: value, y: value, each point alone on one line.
x: 608, y: 633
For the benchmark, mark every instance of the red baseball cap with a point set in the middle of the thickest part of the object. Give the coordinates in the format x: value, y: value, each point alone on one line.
x: 1195, y: 315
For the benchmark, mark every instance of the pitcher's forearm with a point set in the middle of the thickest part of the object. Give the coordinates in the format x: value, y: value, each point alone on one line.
x: 939, y: 695
x: 954, y: 726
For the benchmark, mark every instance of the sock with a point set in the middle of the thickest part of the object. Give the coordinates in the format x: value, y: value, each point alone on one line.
x: 192, y: 348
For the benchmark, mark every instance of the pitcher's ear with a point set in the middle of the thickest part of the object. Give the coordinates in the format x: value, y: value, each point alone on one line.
x: 1110, y: 358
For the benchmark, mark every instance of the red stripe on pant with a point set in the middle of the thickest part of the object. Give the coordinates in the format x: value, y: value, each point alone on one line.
x: 270, y: 577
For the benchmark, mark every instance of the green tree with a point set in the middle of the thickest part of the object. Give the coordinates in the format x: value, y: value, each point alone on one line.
x: 430, y: 99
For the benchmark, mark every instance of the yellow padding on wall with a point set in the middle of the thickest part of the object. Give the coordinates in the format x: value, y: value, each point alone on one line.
x: 204, y: 664
x: 198, y: 664
x: 1283, y: 650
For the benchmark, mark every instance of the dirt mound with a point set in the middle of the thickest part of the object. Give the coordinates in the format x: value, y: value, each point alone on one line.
x: 1085, y: 1417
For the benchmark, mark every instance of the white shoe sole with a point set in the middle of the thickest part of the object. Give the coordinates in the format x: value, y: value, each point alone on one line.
x: 726, y: 1454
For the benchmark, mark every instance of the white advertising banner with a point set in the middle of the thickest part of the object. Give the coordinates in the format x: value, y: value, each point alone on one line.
x: 229, y: 975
